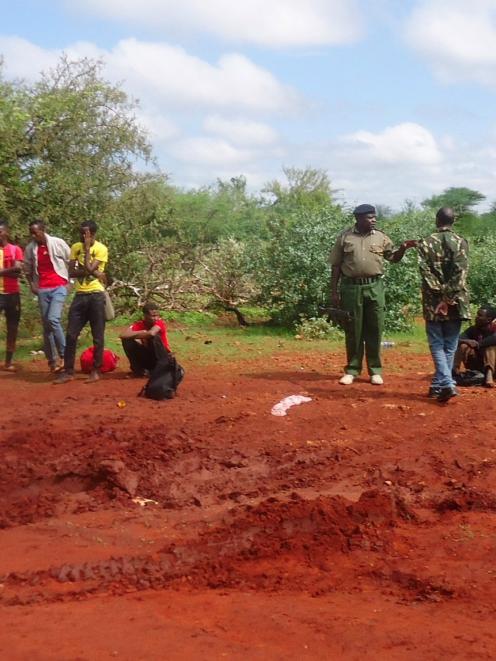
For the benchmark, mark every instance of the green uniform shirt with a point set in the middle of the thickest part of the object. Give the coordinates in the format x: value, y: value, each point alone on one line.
x: 443, y: 262
x: 361, y: 255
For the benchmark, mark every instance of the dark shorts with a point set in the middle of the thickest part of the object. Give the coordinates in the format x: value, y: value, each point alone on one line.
x: 11, y: 305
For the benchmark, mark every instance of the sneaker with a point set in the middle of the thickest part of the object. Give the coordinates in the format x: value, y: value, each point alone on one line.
x: 346, y: 379
x: 433, y: 392
x: 445, y: 394
x: 63, y: 377
x: 376, y: 380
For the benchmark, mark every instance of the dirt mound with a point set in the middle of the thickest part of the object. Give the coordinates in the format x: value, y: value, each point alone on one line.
x: 464, y: 499
x: 364, y: 507
x: 308, y: 533
x: 45, y: 491
x: 302, y: 527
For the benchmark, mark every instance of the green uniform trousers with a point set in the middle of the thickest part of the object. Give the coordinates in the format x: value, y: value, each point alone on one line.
x: 365, y: 303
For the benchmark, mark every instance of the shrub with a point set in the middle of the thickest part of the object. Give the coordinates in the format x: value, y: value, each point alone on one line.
x: 318, y: 328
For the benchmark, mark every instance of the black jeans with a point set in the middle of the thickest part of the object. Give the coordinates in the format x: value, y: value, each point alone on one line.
x: 11, y: 305
x: 143, y: 356
x: 85, y: 308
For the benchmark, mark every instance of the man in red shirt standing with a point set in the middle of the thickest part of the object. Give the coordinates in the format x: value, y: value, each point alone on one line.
x: 46, y: 264
x: 10, y: 300
x: 145, y: 341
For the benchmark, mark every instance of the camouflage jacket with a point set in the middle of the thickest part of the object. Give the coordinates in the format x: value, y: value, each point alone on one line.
x: 443, y: 261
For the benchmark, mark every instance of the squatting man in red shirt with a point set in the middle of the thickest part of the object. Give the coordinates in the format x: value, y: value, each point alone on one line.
x: 10, y: 301
x: 46, y: 264
x: 145, y: 342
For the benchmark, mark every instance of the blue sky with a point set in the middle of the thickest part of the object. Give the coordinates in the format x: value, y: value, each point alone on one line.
x: 393, y: 98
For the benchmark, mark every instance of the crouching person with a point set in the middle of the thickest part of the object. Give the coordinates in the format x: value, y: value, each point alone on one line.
x: 477, y: 346
x: 146, y: 345
x: 145, y: 342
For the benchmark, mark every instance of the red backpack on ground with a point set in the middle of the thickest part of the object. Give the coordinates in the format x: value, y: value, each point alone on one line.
x: 109, y: 364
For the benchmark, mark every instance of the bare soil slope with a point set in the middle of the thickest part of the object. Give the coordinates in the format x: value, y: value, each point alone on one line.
x: 361, y: 524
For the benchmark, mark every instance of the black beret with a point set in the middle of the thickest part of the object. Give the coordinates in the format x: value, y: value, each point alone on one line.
x: 363, y: 208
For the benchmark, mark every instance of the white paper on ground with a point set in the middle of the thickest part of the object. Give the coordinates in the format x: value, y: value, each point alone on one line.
x: 293, y: 400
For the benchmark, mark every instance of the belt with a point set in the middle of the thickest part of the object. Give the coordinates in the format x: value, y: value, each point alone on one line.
x: 362, y: 281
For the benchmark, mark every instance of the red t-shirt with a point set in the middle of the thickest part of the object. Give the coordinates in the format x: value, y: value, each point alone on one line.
x: 140, y: 325
x: 48, y: 277
x: 9, y: 255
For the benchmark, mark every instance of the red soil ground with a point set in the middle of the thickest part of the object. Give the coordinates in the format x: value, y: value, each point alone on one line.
x: 362, y: 524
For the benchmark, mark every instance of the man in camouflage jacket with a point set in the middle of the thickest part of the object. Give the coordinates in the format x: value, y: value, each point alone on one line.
x: 443, y: 261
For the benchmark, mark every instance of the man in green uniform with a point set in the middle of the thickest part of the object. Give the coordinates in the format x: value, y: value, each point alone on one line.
x: 443, y: 261
x: 357, y: 261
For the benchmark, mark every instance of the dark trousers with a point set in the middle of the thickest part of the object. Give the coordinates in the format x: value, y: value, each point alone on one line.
x: 143, y: 356
x: 11, y: 305
x: 85, y: 308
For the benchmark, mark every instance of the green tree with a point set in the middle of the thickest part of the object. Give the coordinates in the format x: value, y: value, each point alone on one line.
x: 207, y: 215
x: 305, y: 188
x: 482, y: 271
x: 462, y: 200
x: 227, y: 276
x: 74, y: 141
x: 292, y: 265
x: 14, y: 149
x: 402, y: 281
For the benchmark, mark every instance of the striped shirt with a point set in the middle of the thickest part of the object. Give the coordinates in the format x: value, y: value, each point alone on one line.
x: 9, y: 255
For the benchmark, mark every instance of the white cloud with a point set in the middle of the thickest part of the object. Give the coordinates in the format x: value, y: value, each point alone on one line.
x: 241, y: 132
x: 165, y: 74
x: 177, y: 78
x: 457, y: 37
x: 159, y: 127
x: 19, y: 56
x: 400, y: 144
x: 210, y: 152
x: 360, y: 172
x: 277, y: 23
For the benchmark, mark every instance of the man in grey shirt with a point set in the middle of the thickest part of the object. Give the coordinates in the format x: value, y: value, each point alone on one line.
x: 46, y: 261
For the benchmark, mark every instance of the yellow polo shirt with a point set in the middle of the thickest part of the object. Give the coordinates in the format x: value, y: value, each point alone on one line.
x: 89, y: 284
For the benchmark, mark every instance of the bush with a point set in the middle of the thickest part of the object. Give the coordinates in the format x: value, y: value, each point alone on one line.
x: 292, y: 266
x: 318, y: 328
x: 482, y: 271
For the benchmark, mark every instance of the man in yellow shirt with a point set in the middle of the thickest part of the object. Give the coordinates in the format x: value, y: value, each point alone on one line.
x: 87, y: 263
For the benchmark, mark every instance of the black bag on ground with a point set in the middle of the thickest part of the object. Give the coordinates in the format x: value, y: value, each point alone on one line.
x: 164, y: 379
x: 469, y: 378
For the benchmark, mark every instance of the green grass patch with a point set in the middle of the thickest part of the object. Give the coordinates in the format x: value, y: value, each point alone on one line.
x: 203, y: 338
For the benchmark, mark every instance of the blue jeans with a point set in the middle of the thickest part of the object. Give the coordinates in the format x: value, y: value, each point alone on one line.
x: 443, y: 342
x: 51, y: 302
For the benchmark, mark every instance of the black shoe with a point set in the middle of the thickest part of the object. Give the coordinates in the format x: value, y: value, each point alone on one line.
x: 433, y: 392
x: 63, y: 377
x: 445, y: 394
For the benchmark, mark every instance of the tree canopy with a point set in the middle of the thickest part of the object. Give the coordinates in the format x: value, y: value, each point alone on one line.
x: 71, y: 149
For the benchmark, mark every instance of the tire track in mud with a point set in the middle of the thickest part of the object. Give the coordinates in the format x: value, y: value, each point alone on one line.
x: 314, y: 534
